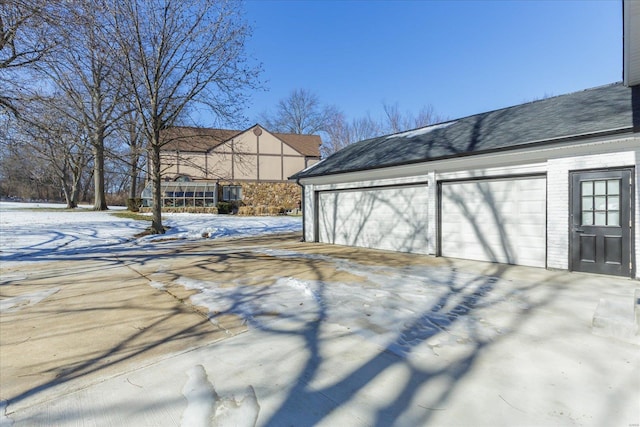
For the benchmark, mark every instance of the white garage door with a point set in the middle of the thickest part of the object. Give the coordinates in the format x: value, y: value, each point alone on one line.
x: 391, y: 218
x: 495, y: 220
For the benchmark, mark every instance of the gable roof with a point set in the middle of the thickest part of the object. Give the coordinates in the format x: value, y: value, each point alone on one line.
x: 194, y: 139
x: 606, y: 109
x: 308, y: 145
x: 184, y: 138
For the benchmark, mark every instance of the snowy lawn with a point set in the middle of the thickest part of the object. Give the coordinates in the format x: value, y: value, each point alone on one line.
x: 44, y: 231
x: 397, y: 344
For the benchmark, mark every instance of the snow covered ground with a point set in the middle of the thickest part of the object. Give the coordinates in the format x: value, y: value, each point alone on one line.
x: 45, y: 231
x: 403, y: 345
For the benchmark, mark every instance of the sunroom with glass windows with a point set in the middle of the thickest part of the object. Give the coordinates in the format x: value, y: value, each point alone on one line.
x: 183, y: 194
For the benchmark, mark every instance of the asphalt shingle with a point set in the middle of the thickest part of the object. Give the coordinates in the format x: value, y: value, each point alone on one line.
x: 607, y: 109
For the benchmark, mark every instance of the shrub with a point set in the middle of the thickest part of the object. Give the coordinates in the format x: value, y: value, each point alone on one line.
x: 134, y: 204
x: 224, y: 207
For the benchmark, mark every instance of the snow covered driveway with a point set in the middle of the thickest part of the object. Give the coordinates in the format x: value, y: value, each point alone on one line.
x: 336, y: 337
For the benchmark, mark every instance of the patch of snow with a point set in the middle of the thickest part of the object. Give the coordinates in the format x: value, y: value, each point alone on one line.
x: 421, y: 131
x: 5, y: 421
x: 240, y: 411
x: 395, y: 311
x: 206, y: 408
x: 158, y: 285
x: 10, y: 305
x: 201, y: 399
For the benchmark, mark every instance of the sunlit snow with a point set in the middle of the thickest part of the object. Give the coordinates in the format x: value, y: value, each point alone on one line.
x: 421, y: 131
x: 43, y: 231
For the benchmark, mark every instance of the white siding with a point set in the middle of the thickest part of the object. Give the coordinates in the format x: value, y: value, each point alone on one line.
x: 554, y: 161
x: 631, y: 45
x: 393, y: 218
x: 495, y: 220
x: 558, y: 200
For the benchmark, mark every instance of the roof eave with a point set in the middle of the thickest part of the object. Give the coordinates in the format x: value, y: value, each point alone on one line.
x: 528, y: 145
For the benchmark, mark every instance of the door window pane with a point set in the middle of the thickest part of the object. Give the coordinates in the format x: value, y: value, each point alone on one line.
x: 587, y: 188
x: 587, y: 203
x: 600, y: 188
x: 600, y: 218
x: 613, y: 203
x: 587, y: 218
x: 613, y: 186
x: 613, y: 218
x: 600, y: 203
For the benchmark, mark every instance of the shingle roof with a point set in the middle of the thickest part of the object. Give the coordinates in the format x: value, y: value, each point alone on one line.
x: 308, y: 145
x: 599, y: 110
x: 183, y: 138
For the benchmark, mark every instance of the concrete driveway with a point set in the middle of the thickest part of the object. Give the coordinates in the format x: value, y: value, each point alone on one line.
x: 118, y: 341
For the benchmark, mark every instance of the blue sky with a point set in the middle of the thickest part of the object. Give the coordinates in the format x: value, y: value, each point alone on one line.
x: 461, y: 57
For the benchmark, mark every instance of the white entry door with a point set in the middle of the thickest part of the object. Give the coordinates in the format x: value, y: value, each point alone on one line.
x: 390, y: 218
x: 501, y: 220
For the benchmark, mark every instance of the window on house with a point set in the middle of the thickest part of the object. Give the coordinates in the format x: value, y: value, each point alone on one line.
x: 183, y: 193
x: 231, y: 192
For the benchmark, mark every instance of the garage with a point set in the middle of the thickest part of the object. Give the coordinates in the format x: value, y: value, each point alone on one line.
x: 497, y: 220
x: 390, y: 218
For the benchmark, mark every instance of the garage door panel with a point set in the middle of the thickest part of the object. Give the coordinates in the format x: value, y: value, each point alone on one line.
x: 383, y: 218
x: 495, y: 220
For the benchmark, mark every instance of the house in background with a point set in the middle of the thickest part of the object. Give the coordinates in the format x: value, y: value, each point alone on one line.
x: 202, y: 167
x: 552, y: 183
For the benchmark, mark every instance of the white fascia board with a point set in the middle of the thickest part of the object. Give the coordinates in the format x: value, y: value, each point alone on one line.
x: 506, y: 160
x: 631, y: 42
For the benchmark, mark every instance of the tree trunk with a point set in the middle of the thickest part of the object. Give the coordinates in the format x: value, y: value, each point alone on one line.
x: 68, y: 197
x: 156, y: 223
x: 75, y: 186
x: 100, y: 202
x: 133, y: 174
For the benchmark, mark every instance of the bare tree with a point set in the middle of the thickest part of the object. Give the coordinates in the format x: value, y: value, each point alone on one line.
x: 396, y: 121
x: 26, y: 36
x: 341, y: 133
x: 179, y: 53
x: 131, y: 133
x: 86, y: 74
x: 302, y: 113
x: 56, y: 140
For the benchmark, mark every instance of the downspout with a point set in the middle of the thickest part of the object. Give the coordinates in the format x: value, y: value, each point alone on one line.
x: 302, y: 208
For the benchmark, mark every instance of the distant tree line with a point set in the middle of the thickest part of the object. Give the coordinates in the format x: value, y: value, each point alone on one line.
x: 302, y: 112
